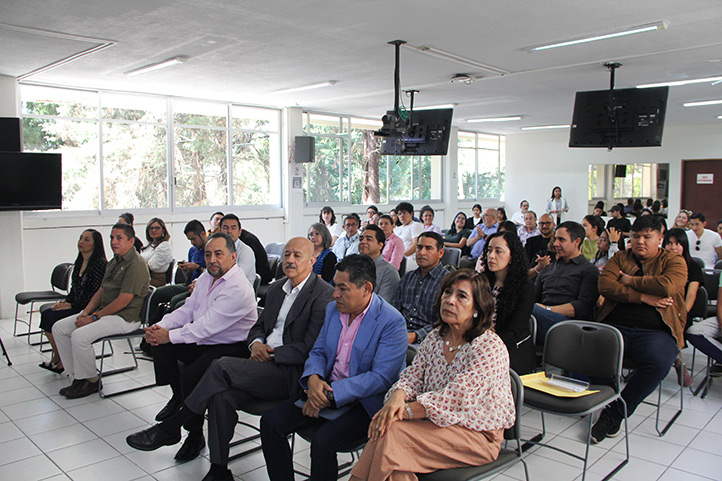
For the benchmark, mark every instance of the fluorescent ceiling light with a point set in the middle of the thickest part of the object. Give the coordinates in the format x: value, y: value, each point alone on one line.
x: 703, y: 103
x: 452, y: 57
x: 650, y: 27
x: 719, y: 117
x: 681, y: 82
x: 319, y: 85
x: 544, y: 127
x: 434, y: 107
x: 494, y: 119
x: 156, y: 66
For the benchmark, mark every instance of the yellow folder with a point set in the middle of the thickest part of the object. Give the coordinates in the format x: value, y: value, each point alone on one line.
x: 539, y: 381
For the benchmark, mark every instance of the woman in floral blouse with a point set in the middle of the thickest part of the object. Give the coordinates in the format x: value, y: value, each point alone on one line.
x: 459, y: 381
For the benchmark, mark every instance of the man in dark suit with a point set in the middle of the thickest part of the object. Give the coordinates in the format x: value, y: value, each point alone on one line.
x: 279, y: 343
x: 358, y: 355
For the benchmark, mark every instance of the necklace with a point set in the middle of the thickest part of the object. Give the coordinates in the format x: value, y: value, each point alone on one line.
x: 453, y: 348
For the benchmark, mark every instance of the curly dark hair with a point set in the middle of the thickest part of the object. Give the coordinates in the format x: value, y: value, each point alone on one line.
x: 516, y: 276
x: 483, y: 302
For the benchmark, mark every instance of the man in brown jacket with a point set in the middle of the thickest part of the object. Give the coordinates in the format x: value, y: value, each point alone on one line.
x: 643, y: 288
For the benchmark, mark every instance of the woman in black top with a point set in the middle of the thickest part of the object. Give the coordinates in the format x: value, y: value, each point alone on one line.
x: 87, y: 276
x: 457, y: 235
x: 676, y: 240
x: 505, y: 265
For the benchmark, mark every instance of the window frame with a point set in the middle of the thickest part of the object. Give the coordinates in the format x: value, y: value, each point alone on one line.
x: 500, y: 158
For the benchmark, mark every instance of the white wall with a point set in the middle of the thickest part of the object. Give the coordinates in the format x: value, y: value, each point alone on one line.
x: 536, y: 162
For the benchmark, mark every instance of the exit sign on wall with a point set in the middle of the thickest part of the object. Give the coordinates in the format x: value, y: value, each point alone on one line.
x: 705, y: 178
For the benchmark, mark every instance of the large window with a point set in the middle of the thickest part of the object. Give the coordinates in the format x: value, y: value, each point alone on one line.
x: 480, y: 166
x: 126, y: 151
x: 348, y: 167
x: 620, y: 182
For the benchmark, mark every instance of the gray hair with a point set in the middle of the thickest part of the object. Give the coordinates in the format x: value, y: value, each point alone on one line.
x: 325, y: 233
x: 229, y: 242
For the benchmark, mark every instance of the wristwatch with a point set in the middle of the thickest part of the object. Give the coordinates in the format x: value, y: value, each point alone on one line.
x: 95, y: 317
x: 331, y: 399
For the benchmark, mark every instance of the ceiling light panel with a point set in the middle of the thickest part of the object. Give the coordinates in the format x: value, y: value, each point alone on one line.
x: 495, y: 119
x: 678, y: 83
x: 651, y: 27
x: 703, y: 103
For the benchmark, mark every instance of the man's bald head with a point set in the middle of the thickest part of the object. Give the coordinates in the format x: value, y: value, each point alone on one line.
x: 298, y: 259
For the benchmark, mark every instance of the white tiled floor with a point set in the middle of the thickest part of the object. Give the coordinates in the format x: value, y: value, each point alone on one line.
x: 45, y: 436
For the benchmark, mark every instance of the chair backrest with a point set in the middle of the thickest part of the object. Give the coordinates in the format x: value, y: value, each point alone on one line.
x: 699, y: 308
x: 517, y: 392
x: 451, y: 257
x: 145, y: 308
x: 273, y: 261
x: 718, y: 264
x: 586, y: 348
x: 256, y: 283
x: 60, y: 278
x: 180, y: 277
x: 169, y: 272
x: 402, y: 267
x: 532, y: 328
x: 275, y: 248
x: 410, y: 355
x: 711, y: 282
x: 699, y: 261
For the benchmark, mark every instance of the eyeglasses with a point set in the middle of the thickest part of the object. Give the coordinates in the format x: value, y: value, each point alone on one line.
x: 697, y: 246
x: 546, y: 223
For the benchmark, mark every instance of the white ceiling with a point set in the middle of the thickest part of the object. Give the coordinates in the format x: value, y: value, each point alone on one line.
x: 244, y: 50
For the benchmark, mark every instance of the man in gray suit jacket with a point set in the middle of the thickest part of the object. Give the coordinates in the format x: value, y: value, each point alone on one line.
x: 279, y: 343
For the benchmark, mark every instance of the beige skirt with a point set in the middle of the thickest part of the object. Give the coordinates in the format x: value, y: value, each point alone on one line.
x: 421, y: 446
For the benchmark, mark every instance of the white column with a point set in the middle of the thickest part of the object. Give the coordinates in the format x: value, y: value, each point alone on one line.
x: 293, y: 201
x: 11, y: 223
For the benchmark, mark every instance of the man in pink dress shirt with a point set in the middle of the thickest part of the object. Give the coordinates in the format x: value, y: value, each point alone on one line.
x: 214, y: 322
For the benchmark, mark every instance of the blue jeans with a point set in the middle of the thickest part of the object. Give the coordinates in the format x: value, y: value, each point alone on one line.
x: 544, y: 321
x: 654, y: 352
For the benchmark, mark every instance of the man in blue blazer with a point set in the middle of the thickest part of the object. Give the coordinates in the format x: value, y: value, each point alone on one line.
x: 357, y: 356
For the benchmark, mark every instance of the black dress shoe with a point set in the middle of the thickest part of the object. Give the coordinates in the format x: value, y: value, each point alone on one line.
x: 82, y: 389
x: 192, y: 447
x: 170, y: 409
x: 64, y: 390
x: 211, y: 476
x: 151, y: 439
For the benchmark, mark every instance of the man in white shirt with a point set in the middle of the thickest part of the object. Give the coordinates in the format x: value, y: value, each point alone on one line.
x: 703, y: 243
x: 518, y: 217
x: 279, y: 343
x: 347, y: 244
x: 245, y: 258
x: 408, y: 232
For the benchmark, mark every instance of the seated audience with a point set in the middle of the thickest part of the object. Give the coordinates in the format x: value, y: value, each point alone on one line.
x: 656, y: 208
x: 606, y: 247
x: 682, y: 219
x: 128, y: 218
x: 157, y: 253
x: 462, y: 359
x: 279, y: 344
x: 347, y: 243
x: 567, y: 287
x: 394, y: 247
x: 501, y: 214
x: 395, y: 217
x: 192, y: 268
x: 457, y: 234
x: 599, y: 209
x: 415, y: 295
x: 529, y: 228
x: 113, y: 309
x: 87, y: 276
x: 213, y: 323
x: 649, y: 203
x: 707, y: 243
x: 539, y: 250
x: 371, y: 243
x: 645, y: 211
x: 245, y: 258
x: 215, y: 223
x: 593, y: 226
x: 557, y: 205
x: 370, y: 212
x: 478, y: 236
x: 357, y: 356
x: 328, y: 218
x: 507, y: 226
x: 706, y: 335
x: 618, y: 220
x: 643, y: 289
x: 505, y: 266
x: 665, y: 208
x: 518, y: 217
x: 408, y: 231
x: 637, y: 208
x: 719, y: 227
x: 325, y: 265
x: 675, y: 240
x: 476, y: 218
x: 427, y: 217
x: 629, y: 208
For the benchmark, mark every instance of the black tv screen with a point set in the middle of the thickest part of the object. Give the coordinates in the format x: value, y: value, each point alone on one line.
x: 619, y: 118
x: 30, y: 181
x: 427, y: 133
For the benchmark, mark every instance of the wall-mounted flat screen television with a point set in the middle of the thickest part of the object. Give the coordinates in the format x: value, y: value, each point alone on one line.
x: 30, y: 181
x: 427, y: 133
x: 619, y: 118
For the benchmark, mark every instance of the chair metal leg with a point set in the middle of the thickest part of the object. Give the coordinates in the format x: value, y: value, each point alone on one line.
x: 117, y: 371
x: 704, y: 385
x: 5, y: 353
x: 676, y: 415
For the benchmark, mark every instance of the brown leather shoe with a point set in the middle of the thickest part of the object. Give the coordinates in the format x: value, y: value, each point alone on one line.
x: 84, y: 388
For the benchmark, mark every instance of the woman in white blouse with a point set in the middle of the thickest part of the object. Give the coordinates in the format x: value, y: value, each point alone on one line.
x: 459, y: 381
x: 557, y: 205
x: 327, y: 217
x: 157, y: 253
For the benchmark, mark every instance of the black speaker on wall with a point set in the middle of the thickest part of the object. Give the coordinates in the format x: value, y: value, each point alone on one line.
x: 305, y: 149
x: 11, y: 134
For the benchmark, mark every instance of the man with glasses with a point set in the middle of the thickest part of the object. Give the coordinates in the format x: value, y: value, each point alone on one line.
x: 537, y: 247
x: 347, y: 243
x: 703, y: 243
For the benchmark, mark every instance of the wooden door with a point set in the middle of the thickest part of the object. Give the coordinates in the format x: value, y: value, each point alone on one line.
x: 702, y: 189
